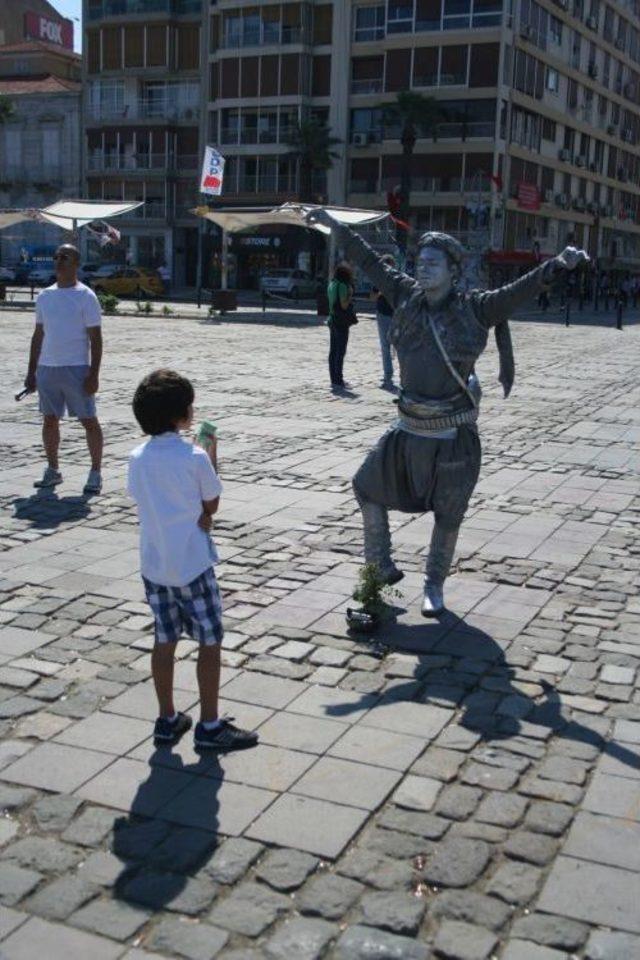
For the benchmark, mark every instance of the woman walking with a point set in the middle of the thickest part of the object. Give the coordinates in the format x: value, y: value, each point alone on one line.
x: 341, y: 317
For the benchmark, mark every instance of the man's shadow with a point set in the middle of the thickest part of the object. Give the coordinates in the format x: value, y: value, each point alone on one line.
x: 159, y: 855
x: 45, y: 509
x: 479, y: 688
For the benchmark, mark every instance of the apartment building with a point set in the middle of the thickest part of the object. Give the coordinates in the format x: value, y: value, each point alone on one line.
x: 142, y: 68
x: 40, y: 142
x: 539, y: 113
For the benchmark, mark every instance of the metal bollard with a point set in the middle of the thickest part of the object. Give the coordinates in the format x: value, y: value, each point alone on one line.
x: 567, y: 312
x: 264, y: 301
x: 619, y: 315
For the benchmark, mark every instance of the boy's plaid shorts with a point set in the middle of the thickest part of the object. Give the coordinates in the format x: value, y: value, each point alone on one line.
x: 195, y: 609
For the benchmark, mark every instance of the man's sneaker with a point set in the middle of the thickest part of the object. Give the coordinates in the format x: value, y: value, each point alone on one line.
x: 94, y: 482
x: 168, y: 731
x: 225, y: 737
x: 50, y: 478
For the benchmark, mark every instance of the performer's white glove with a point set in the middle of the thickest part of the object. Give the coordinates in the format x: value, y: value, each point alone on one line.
x: 571, y: 257
x: 320, y: 217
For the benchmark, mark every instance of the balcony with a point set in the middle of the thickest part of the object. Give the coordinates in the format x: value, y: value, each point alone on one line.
x: 367, y: 86
x: 141, y: 162
x: 169, y: 111
x: 267, y: 183
x: 99, y: 9
x: 267, y: 34
x: 150, y: 210
x: 231, y: 135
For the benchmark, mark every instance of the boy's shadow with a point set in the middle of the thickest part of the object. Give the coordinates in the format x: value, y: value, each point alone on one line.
x: 45, y: 509
x: 482, y: 687
x: 158, y: 855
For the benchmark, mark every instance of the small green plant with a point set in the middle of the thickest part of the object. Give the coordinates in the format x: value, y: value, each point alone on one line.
x: 167, y: 311
x: 108, y: 302
x: 371, y: 591
x: 148, y: 307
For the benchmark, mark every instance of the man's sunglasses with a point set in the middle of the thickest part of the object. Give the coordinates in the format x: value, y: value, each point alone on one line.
x: 62, y: 256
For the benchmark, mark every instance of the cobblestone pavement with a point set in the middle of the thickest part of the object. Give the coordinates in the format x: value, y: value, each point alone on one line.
x: 466, y: 789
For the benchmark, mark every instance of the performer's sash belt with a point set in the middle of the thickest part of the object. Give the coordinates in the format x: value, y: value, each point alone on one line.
x: 431, y: 416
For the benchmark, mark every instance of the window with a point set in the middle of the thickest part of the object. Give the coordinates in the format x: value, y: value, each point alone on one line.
x: 483, y: 71
x: 321, y: 76
x: 111, y: 48
x: 398, y: 70
x: 188, y: 46
x: 425, y: 67
x: 369, y: 23
x: 453, y: 66
x: 269, y: 76
x: 322, y: 23
x: 548, y: 130
x: 428, y: 14
x: 555, y: 31
x: 13, y: 149
x: 51, y: 147
x: 133, y: 46
x: 249, y: 77
x: 399, y: 17
x: 552, y: 80
x: 156, y: 46
x: 367, y: 74
x: 457, y: 14
x: 230, y: 78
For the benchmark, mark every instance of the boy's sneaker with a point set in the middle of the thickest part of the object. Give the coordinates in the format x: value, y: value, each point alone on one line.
x: 225, y: 737
x: 94, y: 482
x: 50, y: 478
x: 168, y: 731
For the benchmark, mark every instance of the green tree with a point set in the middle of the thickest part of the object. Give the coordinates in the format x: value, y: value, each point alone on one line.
x: 6, y: 108
x: 311, y: 146
x: 413, y: 115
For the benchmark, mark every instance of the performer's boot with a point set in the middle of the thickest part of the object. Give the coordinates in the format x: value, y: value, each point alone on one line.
x: 377, y: 540
x: 441, y: 550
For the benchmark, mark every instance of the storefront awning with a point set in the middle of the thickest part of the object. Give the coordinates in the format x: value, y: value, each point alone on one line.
x: 291, y: 214
x: 70, y: 214
x: 9, y: 217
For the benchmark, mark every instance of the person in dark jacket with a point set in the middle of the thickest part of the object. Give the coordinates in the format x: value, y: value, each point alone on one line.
x: 341, y: 317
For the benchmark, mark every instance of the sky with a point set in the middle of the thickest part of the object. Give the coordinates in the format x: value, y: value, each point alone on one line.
x: 71, y: 9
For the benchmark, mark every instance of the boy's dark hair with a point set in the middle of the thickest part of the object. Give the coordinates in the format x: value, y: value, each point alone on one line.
x: 343, y: 273
x: 161, y: 400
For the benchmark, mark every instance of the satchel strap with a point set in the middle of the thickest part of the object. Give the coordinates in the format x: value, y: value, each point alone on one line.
x: 450, y: 367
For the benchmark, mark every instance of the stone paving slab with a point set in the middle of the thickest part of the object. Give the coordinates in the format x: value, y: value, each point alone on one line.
x: 465, y: 788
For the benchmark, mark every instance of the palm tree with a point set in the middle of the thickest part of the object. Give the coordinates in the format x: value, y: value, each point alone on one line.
x: 414, y: 115
x: 311, y: 147
x: 6, y: 108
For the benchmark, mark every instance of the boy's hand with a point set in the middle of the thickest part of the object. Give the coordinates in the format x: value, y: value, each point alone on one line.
x: 205, y: 522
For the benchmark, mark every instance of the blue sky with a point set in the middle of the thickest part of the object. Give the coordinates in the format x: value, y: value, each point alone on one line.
x: 71, y: 9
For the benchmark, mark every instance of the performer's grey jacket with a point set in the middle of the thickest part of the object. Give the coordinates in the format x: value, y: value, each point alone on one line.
x: 462, y: 321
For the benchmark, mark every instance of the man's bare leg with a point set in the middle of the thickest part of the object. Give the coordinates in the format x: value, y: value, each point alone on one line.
x: 95, y: 441
x: 51, y: 439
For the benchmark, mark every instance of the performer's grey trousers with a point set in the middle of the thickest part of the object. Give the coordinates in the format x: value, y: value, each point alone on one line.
x: 377, y: 542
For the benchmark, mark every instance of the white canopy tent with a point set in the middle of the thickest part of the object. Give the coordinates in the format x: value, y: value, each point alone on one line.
x: 69, y: 214
x: 9, y: 217
x: 289, y: 214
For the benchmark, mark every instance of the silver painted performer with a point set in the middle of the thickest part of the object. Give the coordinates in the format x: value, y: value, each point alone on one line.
x: 430, y: 460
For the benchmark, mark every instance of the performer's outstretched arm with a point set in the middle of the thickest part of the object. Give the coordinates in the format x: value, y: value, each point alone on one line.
x: 495, y: 306
x: 394, y: 285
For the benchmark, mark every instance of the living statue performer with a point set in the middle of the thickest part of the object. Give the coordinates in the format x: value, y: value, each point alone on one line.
x: 430, y: 459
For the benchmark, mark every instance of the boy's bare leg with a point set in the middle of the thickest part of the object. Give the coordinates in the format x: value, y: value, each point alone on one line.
x: 51, y: 439
x: 162, y: 659
x: 208, y: 673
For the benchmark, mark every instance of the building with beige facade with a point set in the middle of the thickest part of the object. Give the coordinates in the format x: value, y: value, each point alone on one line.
x: 539, y: 113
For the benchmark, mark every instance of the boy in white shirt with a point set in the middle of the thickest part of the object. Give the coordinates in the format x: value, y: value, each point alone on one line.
x: 177, y: 490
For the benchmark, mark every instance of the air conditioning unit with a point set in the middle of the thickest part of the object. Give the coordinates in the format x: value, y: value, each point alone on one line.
x: 564, y: 154
x: 592, y: 23
x: 593, y: 70
x: 580, y: 161
x: 578, y: 203
x: 619, y: 44
x: 548, y: 196
x: 562, y: 200
x: 612, y: 130
x: 627, y: 135
x: 360, y: 139
x: 526, y: 32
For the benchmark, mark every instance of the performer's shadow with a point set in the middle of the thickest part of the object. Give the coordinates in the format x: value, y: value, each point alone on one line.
x: 460, y: 666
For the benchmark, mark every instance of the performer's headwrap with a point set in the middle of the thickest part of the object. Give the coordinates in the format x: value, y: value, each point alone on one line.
x: 454, y: 252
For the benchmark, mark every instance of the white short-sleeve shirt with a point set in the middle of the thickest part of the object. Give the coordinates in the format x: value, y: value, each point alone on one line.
x: 66, y: 313
x: 169, y: 478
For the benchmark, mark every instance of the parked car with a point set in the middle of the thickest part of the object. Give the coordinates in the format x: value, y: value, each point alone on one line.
x: 41, y: 274
x: 289, y: 283
x: 130, y: 281
x: 7, y: 275
x: 90, y: 272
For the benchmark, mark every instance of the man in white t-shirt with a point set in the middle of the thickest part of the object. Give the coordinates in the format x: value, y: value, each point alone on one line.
x: 64, y: 364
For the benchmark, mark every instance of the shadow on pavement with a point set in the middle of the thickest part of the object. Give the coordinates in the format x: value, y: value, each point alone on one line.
x: 483, y: 686
x: 159, y: 854
x: 45, y: 509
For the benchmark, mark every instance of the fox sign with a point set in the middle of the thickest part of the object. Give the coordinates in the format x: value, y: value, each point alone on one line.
x: 59, y: 32
x: 212, y: 172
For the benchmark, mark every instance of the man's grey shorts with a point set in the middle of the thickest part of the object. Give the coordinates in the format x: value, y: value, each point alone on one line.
x: 61, y: 389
